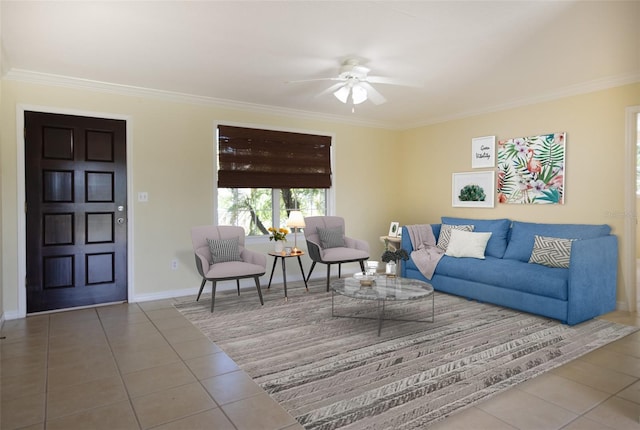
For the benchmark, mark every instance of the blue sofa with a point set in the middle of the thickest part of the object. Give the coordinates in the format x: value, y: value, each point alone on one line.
x: 505, y: 277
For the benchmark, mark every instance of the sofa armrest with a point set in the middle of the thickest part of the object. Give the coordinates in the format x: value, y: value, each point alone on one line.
x: 593, y: 278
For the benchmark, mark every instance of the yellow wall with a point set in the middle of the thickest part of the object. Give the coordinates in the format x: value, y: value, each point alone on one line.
x: 172, y: 155
x: 380, y: 175
x: 594, y: 188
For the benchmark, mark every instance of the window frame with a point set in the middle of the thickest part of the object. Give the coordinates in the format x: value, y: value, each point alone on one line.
x: 330, y: 192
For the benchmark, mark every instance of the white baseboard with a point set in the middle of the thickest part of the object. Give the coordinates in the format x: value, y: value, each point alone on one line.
x: 10, y: 315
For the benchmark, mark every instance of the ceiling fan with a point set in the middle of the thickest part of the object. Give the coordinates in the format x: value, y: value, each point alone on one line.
x: 354, y: 84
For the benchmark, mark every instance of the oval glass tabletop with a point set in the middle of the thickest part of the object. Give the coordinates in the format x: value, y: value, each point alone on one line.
x: 382, y: 288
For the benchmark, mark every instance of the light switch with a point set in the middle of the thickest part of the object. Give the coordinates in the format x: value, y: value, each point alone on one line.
x: 143, y: 196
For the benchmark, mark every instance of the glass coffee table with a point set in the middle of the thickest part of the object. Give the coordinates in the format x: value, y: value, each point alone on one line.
x: 382, y: 289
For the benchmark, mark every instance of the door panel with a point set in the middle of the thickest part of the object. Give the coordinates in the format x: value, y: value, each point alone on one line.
x: 75, y: 211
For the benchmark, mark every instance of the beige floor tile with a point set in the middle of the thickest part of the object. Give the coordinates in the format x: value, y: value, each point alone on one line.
x: 24, y: 365
x: 631, y: 393
x: 23, y: 349
x: 64, y: 343
x: 615, y: 361
x: 158, y: 378
x: 140, y: 342
x: 73, y: 317
x: 77, y: 398
x: 135, y: 360
x: 211, y: 419
x: 617, y: 413
x: 163, y: 313
x: 122, y: 333
x: 471, y: 418
x: 231, y: 387
x: 117, y: 311
x: 77, y: 354
x: 156, y: 304
x: 564, y: 392
x: 91, y: 327
x: 172, y: 323
x: 195, y: 348
x: 111, y: 320
x: 594, y: 376
x: 211, y: 365
x: 118, y: 416
x: 182, y: 334
x: 13, y: 386
x: 627, y: 346
x: 526, y: 412
x: 265, y: 414
x: 169, y: 405
x: 91, y: 369
x: 39, y: 426
x: 583, y: 423
x: 22, y: 411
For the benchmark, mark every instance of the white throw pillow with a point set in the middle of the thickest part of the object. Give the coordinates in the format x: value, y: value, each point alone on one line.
x: 467, y: 244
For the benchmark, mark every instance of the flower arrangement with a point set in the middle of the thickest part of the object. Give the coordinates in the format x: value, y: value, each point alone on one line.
x: 389, y: 255
x: 278, y: 234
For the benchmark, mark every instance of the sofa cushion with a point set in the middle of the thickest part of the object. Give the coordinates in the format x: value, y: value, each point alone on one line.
x: 523, y: 233
x: 510, y: 274
x: 331, y: 237
x: 551, y: 251
x: 467, y: 244
x: 445, y: 234
x: 498, y: 227
x: 223, y: 250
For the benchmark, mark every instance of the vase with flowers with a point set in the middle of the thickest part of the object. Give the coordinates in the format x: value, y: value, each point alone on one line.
x: 391, y: 257
x: 279, y: 236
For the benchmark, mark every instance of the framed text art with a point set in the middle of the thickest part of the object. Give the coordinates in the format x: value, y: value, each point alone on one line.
x: 483, y: 152
x: 473, y: 189
x: 531, y: 169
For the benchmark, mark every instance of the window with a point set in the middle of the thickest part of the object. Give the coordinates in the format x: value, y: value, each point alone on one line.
x: 263, y: 174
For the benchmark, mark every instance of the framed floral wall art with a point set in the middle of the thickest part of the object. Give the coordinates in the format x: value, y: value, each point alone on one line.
x: 531, y: 169
x: 473, y: 189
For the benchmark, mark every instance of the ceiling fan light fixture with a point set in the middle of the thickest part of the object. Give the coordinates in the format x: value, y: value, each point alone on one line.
x: 342, y: 94
x: 358, y: 94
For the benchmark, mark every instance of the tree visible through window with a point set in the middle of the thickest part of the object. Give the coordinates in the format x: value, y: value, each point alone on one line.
x: 264, y: 174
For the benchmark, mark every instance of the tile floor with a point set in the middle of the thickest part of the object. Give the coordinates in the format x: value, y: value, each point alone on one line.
x: 144, y: 366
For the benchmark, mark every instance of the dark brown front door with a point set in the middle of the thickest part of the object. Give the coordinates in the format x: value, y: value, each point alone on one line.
x: 76, y: 214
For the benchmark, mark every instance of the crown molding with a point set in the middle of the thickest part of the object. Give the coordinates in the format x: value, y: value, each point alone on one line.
x: 573, y: 90
x: 39, y: 78
x: 127, y: 90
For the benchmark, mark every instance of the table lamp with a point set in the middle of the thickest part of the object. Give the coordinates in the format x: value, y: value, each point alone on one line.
x: 296, y: 221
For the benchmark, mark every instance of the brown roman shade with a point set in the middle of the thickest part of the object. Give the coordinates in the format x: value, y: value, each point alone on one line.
x: 255, y: 158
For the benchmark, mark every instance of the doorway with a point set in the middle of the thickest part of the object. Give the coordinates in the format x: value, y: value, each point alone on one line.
x: 76, y: 211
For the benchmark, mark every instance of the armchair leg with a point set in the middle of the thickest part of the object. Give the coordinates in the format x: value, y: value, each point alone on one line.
x: 311, y: 270
x: 213, y: 295
x: 238, y: 284
x: 361, y: 265
x: 328, y: 275
x: 258, y: 288
x: 204, y: 281
x: 339, y: 270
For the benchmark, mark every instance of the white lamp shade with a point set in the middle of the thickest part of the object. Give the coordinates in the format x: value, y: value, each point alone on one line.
x: 358, y: 94
x: 342, y: 94
x: 296, y: 219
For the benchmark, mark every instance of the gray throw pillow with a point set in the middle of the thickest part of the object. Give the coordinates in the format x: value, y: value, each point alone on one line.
x: 445, y: 234
x: 331, y: 237
x: 223, y: 250
x: 551, y: 251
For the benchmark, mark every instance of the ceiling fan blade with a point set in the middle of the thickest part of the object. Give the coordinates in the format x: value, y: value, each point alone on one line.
x: 373, y: 94
x: 391, y: 81
x: 313, y: 80
x: 331, y: 89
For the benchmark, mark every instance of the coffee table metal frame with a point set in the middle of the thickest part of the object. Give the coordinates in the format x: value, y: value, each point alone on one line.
x: 384, y: 289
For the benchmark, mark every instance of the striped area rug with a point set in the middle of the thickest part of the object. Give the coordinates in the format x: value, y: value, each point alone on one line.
x: 334, y: 373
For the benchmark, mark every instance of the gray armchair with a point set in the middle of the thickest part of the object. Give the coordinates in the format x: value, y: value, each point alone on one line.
x: 220, y: 256
x: 327, y: 244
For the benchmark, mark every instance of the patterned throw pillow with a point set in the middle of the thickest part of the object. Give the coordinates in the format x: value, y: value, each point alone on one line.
x: 331, y: 237
x: 445, y: 234
x: 551, y: 251
x: 223, y: 250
